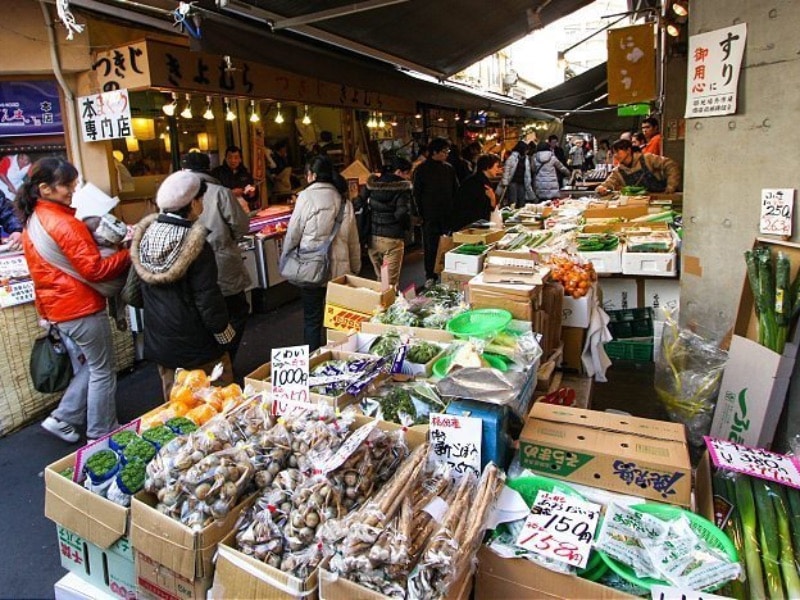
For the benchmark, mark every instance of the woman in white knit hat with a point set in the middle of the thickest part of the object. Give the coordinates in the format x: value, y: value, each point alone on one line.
x: 186, y: 319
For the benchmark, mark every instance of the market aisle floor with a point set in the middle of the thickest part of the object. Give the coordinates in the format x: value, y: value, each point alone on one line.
x: 31, y: 564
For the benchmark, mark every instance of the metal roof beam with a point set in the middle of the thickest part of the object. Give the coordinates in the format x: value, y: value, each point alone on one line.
x: 332, y: 13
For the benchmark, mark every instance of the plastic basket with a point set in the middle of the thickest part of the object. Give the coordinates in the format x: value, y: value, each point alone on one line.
x: 705, y: 529
x: 631, y: 323
x: 637, y: 350
x: 479, y: 323
x: 440, y: 367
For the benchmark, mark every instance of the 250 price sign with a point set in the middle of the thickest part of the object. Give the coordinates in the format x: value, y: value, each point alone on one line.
x: 289, y: 378
x: 776, y: 211
x: 560, y: 527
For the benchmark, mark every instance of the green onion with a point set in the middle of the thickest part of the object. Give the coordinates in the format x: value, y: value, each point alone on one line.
x: 793, y: 496
x: 723, y: 487
x: 747, y: 510
x: 790, y: 577
x: 768, y: 532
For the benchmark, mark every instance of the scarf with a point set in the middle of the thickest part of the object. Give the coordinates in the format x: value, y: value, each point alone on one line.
x: 161, y: 245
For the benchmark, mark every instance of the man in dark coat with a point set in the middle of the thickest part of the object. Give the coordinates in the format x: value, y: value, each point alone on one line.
x: 187, y: 320
x: 235, y: 176
x: 10, y: 223
x: 435, y: 188
x: 555, y: 148
x: 476, y: 198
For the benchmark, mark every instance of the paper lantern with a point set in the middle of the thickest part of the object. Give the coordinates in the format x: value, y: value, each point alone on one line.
x: 202, y: 141
x: 132, y: 144
x: 143, y: 129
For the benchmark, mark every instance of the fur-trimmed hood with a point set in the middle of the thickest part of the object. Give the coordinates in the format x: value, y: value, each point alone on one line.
x: 187, y: 248
x: 397, y: 184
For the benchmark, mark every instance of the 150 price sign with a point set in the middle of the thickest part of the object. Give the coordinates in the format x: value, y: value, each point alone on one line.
x: 289, y: 378
x: 776, y: 211
x: 560, y: 527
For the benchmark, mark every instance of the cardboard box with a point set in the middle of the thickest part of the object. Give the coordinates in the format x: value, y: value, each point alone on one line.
x: 517, y: 290
x: 344, y: 319
x: 358, y: 294
x: 618, y: 453
x: 457, y: 281
x: 466, y: 264
x: 333, y: 587
x: 619, y: 212
x: 515, y: 578
x: 662, y: 294
x: 518, y: 307
x: 259, y: 379
x: 72, y: 587
x: 94, y: 518
x: 171, y: 544
x: 659, y: 264
x: 576, y: 312
x: 110, y: 570
x: 573, y: 339
x: 618, y: 293
x: 606, y: 261
x: 548, y: 318
x: 238, y: 575
x: 157, y: 582
x: 626, y: 228
x: 501, y: 266
x: 478, y: 236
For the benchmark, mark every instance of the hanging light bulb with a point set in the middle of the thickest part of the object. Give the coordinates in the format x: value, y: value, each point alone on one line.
x: 279, y: 117
x: 440, y: 120
x: 393, y: 122
x: 186, y: 113
x: 209, y: 114
x: 680, y: 8
x: 673, y: 30
x: 373, y: 122
x: 381, y: 122
x: 229, y: 114
x: 306, y: 118
x: 457, y: 117
x: 254, y: 116
x: 170, y: 108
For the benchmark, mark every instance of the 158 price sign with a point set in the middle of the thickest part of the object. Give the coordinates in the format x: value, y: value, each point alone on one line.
x: 560, y: 527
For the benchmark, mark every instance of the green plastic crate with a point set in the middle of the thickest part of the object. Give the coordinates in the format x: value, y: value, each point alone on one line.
x: 631, y: 323
x: 640, y: 350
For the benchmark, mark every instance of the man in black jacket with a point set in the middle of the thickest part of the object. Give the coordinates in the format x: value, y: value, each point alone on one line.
x: 388, y: 198
x: 187, y: 320
x: 435, y: 188
x: 235, y: 176
x: 476, y: 198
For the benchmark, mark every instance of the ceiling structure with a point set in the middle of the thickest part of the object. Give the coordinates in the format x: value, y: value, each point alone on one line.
x: 374, y: 44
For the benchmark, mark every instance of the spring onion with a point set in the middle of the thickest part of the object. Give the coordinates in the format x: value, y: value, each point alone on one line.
x: 791, y: 579
x: 768, y: 534
x: 747, y: 510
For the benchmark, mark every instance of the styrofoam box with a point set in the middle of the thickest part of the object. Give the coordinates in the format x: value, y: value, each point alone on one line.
x: 658, y: 264
x: 661, y: 294
x: 605, y: 262
x: 576, y: 312
x: 466, y: 264
x: 619, y: 294
x: 72, y: 587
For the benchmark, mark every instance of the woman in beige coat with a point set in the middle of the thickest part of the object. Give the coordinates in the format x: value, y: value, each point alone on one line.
x: 311, y: 225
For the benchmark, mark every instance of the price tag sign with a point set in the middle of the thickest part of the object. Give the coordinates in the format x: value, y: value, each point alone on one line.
x: 349, y: 446
x: 756, y: 462
x: 289, y: 378
x: 456, y: 441
x: 776, y: 212
x: 560, y: 527
x: 663, y: 592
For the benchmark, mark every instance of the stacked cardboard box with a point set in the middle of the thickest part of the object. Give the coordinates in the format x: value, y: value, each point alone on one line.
x: 350, y: 300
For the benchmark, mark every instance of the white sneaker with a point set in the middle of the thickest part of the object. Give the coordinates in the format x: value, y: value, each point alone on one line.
x: 61, y: 429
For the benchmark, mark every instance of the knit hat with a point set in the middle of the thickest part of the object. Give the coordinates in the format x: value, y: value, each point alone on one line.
x: 196, y: 161
x: 177, y: 191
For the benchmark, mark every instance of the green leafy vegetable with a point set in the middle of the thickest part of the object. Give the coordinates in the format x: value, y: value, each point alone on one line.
x: 101, y: 463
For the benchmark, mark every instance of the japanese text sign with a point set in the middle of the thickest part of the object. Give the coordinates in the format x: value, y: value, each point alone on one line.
x: 715, y: 59
x: 631, y: 64
x: 756, y: 462
x: 122, y: 68
x: 776, y: 212
x: 105, y: 116
x: 560, y: 527
x: 456, y: 441
x: 29, y: 108
x: 663, y: 592
x: 289, y: 377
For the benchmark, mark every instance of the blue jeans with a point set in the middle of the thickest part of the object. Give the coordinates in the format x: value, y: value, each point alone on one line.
x: 91, y: 395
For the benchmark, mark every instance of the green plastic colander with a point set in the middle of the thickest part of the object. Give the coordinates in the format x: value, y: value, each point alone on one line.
x: 479, y: 323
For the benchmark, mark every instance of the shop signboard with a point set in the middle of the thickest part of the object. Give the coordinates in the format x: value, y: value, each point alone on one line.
x: 715, y: 60
x: 631, y: 64
x: 30, y: 108
x: 105, y: 116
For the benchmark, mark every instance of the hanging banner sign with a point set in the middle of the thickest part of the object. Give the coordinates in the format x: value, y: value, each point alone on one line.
x: 715, y: 60
x: 631, y: 64
x: 105, y: 116
x: 30, y: 108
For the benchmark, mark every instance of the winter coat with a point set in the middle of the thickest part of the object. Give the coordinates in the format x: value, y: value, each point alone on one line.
x: 576, y: 157
x: 390, y: 199
x: 435, y: 188
x: 185, y: 312
x: 545, y: 180
x: 312, y: 222
x: 663, y: 168
x: 240, y: 178
x: 226, y: 222
x: 509, y: 168
x: 8, y: 216
x: 61, y: 297
x: 472, y: 203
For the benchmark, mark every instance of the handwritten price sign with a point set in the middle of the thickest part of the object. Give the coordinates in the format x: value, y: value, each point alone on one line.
x: 754, y: 461
x: 456, y: 441
x: 663, y: 592
x: 560, y: 527
x: 289, y: 378
x: 776, y: 212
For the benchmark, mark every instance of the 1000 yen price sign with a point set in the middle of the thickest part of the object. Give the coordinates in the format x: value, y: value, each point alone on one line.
x: 561, y: 528
x: 289, y: 377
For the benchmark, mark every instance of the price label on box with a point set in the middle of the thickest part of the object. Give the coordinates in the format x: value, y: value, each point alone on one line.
x: 664, y: 592
x: 289, y: 378
x: 456, y: 441
x: 756, y: 462
x: 776, y: 211
x: 560, y: 527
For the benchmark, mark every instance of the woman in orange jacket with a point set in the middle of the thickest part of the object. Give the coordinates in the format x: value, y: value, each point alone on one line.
x: 66, y: 265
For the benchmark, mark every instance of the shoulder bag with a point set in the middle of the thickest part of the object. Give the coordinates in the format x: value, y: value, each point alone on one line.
x: 50, y: 365
x: 311, y: 268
